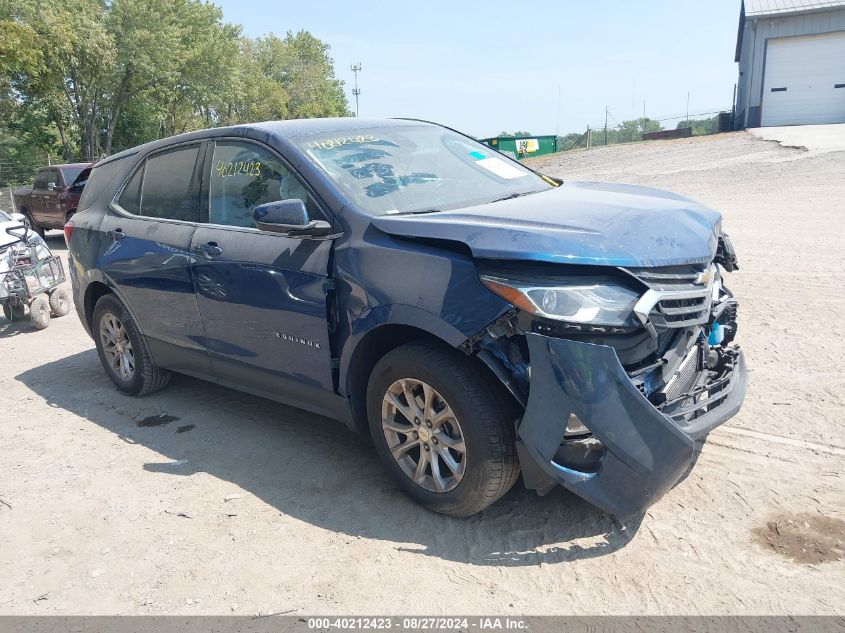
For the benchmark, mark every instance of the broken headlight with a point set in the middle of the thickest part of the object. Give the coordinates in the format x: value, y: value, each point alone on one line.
x: 582, y: 301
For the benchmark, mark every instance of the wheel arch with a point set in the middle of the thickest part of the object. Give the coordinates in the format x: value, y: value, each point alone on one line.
x: 379, y: 341
x: 93, y: 293
x: 371, y: 347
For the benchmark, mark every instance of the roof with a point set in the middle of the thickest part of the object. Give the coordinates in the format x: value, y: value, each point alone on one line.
x: 760, y: 8
x: 281, y: 129
x: 778, y: 8
x: 67, y: 165
x: 300, y: 127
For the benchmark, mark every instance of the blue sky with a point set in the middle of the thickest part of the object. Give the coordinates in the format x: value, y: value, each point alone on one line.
x: 484, y: 67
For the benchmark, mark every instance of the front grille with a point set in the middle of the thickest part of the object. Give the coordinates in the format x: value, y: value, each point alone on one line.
x: 682, y: 293
x: 679, y: 313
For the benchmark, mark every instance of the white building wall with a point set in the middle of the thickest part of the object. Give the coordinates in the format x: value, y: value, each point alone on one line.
x: 753, y: 54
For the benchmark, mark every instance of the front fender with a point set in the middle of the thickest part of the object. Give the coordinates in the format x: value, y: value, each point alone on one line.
x: 395, y: 314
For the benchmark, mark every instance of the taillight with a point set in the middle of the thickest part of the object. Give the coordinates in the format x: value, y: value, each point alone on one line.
x: 68, y: 232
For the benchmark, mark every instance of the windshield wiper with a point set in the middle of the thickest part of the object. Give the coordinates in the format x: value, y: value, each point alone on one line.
x: 422, y: 211
x: 511, y: 196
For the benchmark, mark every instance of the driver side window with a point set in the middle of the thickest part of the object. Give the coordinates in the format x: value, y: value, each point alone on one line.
x: 245, y: 175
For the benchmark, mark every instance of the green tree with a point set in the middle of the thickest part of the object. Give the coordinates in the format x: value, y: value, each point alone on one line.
x: 92, y: 76
x: 701, y: 126
x: 513, y: 134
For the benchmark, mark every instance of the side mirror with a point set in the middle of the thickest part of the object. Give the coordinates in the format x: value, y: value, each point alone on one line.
x: 20, y: 217
x: 51, y: 186
x: 288, y: 216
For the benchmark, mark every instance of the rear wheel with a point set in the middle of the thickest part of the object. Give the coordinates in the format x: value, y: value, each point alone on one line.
x: 59, y: 303
x: 14, y: 312
x: 444, y: 431
x: 39, y: 312
x: 123, y: 351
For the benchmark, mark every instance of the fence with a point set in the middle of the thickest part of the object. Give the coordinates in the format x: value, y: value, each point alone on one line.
x: 642, y: 128
x: 19, y: 170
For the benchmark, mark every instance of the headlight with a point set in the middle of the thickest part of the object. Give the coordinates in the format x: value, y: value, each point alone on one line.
x: 593, y: 302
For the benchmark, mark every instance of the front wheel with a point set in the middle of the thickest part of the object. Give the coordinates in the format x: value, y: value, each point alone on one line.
x: 123, y: 351
x: 39, y: 312
x: 31, y: 224
x: 444, y: 430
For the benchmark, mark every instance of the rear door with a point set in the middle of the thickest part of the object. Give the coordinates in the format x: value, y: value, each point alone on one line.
x: 147, y: 235
x: 262, y: 295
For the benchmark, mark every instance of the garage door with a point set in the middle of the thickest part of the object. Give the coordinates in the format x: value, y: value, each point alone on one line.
x: 805, y: 80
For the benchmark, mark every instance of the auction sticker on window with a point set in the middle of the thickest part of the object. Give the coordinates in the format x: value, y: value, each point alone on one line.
x: 500, y: 168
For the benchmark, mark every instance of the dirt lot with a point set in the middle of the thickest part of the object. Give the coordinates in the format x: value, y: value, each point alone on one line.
x: 238, y: 505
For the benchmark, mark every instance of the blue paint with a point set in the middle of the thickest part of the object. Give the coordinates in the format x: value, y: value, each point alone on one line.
x: 717, y: 334
x: 577, y: 223
x: 287, y: 318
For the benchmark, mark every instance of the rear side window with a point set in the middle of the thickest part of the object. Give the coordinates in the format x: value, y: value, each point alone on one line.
x: 245, y: 175
x: 130, y: 199
x: 100, y: 178
x: 170, y: 186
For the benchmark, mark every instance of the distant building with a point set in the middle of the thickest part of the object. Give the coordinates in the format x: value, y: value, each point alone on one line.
x: 791, y: 56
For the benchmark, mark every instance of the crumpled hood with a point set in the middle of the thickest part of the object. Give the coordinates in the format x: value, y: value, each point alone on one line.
x: 578, y: 223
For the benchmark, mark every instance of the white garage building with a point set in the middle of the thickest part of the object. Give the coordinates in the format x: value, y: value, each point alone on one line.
x: 791, y: 56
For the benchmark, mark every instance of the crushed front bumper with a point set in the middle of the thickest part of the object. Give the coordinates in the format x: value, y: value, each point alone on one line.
x: 644, y: 451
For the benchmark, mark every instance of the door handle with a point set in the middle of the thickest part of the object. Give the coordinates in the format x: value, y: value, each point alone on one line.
x: 210, y: 250
x: 116, y: 235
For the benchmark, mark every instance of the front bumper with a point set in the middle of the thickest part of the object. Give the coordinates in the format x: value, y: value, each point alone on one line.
x: 645, y: 451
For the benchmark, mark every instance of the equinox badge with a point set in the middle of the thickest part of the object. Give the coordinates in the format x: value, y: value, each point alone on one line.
x: 297, y: 339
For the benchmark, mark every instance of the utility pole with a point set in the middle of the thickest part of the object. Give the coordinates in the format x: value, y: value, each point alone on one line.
x: 356, y: 68
x: 643, y: 116
x: 605, y: 125
x: 687, y: 108
x: 557, y: 120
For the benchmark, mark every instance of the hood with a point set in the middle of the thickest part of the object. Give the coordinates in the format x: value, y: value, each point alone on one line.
x: 578, y: 223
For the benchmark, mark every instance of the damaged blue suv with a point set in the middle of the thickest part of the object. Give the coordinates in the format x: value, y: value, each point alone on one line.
x: 479, y: 320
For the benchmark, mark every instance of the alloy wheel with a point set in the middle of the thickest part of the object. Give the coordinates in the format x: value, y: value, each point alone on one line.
x: 117, y: 347
x: 423, y: 435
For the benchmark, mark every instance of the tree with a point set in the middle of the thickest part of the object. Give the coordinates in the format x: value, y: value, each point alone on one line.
x: 86, y: 77
x: 513, y: 134
x: 701, y: 126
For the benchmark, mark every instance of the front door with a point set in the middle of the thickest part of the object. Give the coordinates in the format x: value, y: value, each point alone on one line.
x: 262, y: 295
x: 146, y: 255
x: 44, y: 195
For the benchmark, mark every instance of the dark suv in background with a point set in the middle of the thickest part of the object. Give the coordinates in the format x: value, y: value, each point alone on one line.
x: 478, y: 319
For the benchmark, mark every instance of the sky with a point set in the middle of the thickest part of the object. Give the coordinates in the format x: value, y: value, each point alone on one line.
x: 541, y: 67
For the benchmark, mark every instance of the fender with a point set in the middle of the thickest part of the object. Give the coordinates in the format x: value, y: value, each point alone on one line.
x: 394, y: 314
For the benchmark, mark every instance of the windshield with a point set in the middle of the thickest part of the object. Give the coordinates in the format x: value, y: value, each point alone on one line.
x: 415, y: 169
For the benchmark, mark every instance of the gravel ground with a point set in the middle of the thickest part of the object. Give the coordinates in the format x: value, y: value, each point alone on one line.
x: 232, y: 504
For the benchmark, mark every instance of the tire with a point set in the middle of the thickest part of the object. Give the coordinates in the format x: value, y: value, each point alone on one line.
x: 39, y: 312
x: 59, y: 303
x: 483, y: 417
x: 13, y: 312
x: 31, y: 223
x: 123, y: 351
